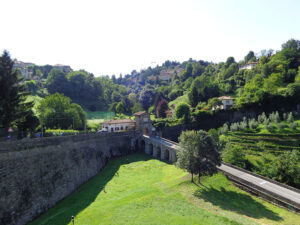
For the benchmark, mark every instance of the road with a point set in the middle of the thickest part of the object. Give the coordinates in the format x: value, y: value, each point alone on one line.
x: 274, y: 188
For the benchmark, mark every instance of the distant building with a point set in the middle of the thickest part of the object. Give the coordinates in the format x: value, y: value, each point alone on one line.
x: 143, y: 122
x: 118, y: 125
x: 227, y: 102
x: 249, y: 66
x: 64, y: 68
x: 22, y: 67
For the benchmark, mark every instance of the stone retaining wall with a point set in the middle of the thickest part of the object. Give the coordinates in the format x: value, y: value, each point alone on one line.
x: 36, y: 174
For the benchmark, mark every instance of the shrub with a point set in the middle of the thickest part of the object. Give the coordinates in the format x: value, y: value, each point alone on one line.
x: 266, y: 121
x: 274, y: 117
x: 243, y: 125
x: 253, y: 124
x: 290, y: 118
x: 269, y: 127
x: 294, y: 125
x: 224, y: 129
x: 261, y: 118
x: 280, y: 125
x: 234, y: 127
x: 285, y: 116
x: 234, y: 155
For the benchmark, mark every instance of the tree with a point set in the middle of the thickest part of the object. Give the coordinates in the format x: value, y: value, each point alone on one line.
x: 56, y: 111
x: 120, y: 108
x: 13, y: 105
x: 249, y: 56
x: 182, y: 110
x: 161, y: 108
x: 198, y: 153
x: 292, y: 43
x: 137, y: 107
x: 57, y: 81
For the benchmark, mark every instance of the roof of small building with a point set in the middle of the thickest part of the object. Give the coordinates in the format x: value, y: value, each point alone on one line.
x: 140, y: 113
x: 225, y: 98
x: 118, y: 121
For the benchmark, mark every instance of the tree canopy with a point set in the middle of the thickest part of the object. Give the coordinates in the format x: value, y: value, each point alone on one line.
x: 198, y: 153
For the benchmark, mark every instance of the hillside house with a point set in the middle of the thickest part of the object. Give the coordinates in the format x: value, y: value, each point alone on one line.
x: 249, y: 66
x: 227, y: 102
x: 118, y: 125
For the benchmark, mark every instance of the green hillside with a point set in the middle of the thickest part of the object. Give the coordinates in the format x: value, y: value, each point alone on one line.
x: 141, y: 190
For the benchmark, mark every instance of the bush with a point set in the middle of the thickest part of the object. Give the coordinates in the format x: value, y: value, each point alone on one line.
x: 266, y: 121
x: 280, y: 125
x: 243, y: 125
x: 294, y: 125
x: 253, y: 124
x: 224, y: 129
x: 269, y: 127
x: 290, y: 118
x: 274, y: 117
x: 285, y: 116
x: 234, y: 155
x: 261, y: 118
x: 234, y: 127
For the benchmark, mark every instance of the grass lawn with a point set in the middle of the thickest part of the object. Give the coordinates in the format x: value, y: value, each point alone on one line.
x: 184, y: 98
x: 141, y: 190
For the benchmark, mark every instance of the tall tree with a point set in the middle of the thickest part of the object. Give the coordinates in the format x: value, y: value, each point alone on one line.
x: 12, y: 93
x: 161, y: 108
x: 198, y: 153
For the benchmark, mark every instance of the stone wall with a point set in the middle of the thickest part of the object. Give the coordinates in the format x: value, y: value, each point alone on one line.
x: 35, y: 174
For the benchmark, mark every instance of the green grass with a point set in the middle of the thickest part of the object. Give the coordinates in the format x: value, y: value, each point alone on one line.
x: 103, y: 115
x: 141, y: 190
x: 184, y: 98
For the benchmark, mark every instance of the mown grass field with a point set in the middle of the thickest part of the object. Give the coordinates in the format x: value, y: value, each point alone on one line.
x: 138, y: 189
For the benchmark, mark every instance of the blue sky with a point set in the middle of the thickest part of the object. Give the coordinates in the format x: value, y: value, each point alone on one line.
x: 118, y: 36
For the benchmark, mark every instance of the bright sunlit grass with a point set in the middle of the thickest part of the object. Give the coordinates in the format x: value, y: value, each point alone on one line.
x: 141, y: 190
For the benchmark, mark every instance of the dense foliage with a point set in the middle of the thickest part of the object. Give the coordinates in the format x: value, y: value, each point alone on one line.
x: 14, y: 110
x: 198, y: 154
x: 57, y: 112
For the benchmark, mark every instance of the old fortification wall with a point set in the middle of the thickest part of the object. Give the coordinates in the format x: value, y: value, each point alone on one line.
x: 36, y: 174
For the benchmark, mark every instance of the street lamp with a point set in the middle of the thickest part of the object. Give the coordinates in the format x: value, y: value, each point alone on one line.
x: 72, y: 217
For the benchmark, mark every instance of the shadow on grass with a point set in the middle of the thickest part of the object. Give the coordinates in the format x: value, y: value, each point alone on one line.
x: 237, y: 202
x: 87, y: 193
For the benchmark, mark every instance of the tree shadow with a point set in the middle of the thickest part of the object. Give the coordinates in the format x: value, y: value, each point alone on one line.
x: 237, y: 202
x: 87, y: 193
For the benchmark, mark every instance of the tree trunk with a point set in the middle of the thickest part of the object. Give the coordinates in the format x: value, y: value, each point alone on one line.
x: 199, y: 178
x: 192, y: 178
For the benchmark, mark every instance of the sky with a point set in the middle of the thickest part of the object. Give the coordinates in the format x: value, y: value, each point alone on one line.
x: 108, y: 37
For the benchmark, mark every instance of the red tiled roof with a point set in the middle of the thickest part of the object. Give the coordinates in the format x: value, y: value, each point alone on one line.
x: 140, y: 113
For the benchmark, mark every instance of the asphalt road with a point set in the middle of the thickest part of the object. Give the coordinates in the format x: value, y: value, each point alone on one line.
x: 274, y: 188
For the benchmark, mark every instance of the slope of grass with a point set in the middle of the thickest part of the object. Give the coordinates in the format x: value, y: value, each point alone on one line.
x: 141, y: 190
x: 184, y: 98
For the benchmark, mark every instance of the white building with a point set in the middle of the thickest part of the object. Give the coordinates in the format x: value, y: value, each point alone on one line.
x: 248, y: 66
x: 118, y: 125
x: 227, y: 102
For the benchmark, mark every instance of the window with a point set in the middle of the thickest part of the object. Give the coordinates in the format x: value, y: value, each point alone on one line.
x: 121, y: 128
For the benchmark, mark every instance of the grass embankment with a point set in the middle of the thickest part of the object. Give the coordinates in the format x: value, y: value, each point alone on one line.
x: 184, y: 98
x: 141, y: 190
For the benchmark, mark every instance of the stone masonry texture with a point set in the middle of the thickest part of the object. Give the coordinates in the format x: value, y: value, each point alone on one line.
x: 36, y: 174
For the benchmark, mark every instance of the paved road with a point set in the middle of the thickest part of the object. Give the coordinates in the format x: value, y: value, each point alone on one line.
x: 271, y: 187
x: 274, y: 188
